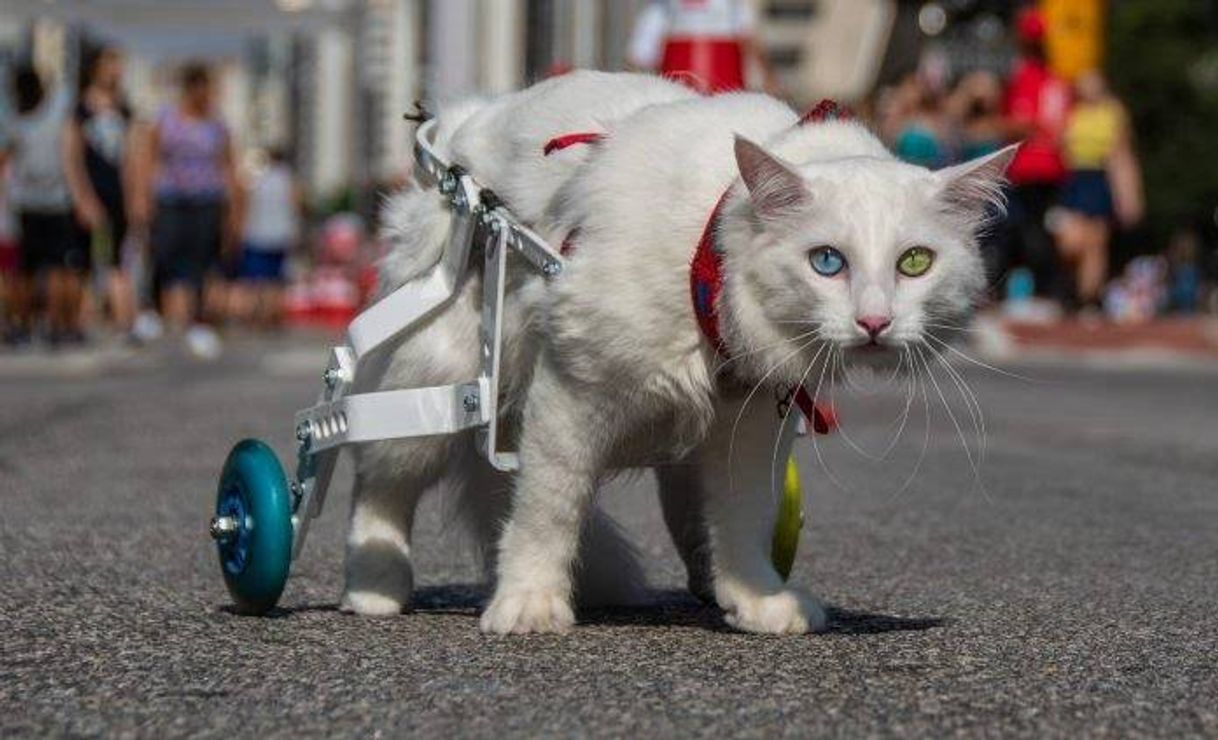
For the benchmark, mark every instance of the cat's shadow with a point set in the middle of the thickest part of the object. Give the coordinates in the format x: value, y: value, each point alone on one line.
x: 666, y: 608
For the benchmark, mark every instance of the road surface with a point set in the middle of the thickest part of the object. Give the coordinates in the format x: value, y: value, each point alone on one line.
x: 1074, y: 589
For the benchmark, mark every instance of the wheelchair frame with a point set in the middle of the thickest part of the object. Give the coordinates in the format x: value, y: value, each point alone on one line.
x: 262, y: 520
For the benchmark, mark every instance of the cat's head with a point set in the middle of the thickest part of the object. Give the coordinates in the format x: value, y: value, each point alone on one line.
x: 863, y: 254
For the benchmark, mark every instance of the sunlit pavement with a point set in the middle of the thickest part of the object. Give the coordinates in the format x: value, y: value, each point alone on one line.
x: 1071, y: 590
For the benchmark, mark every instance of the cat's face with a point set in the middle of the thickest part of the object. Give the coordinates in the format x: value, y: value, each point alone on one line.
x: 862, y: 256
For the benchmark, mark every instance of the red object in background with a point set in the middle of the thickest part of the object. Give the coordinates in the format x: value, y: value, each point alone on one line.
x: 10, y: 259
x: 1041, y: 99
x: 334, y: 290
x: 709, y: 65
x: 1030, y: 25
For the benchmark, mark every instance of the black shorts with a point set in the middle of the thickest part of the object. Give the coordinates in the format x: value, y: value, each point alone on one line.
x: 48, y: 241
x: 109, y: 251
x: 186, y: 240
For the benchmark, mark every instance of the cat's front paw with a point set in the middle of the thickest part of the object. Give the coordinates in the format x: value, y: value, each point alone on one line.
x: 788, y: 612
x: 518, y: 612
x: 370, y: 604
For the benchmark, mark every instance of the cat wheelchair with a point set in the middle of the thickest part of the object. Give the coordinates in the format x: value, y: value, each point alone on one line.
x: 262, y: 517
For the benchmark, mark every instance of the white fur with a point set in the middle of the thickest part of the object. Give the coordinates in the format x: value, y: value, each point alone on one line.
x: 606, y: 364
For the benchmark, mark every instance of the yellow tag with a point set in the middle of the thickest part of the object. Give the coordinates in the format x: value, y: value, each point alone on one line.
x: 789, y: 522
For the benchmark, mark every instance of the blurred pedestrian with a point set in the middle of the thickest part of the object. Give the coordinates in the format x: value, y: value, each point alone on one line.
x: 706, y: 44
x: 97, y: 151
x: 49, y: 253
x: 1096, y: 131
x: 976, y: 107
x: 921, y: 138
x: 193, y: 204
x: 273, y: 208
x: 1036, y: 106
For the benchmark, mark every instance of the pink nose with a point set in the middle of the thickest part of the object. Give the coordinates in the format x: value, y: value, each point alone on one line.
x: 873, y: 325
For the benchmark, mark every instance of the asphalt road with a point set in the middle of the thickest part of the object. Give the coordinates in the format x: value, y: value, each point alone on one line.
x: 1075, y: 591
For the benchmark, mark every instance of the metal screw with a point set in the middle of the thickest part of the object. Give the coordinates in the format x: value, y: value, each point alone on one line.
x: 550, y: 269
x: 448, y: 183
x: 470, y: 402
x: 330, y: 377
x: 222, y: 528
x: 303, y: 429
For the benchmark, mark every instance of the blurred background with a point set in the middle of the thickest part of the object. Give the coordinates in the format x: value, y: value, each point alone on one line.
x: 273, y: 127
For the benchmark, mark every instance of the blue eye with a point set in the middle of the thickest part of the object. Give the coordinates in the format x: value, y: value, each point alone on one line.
x: 827, y: 261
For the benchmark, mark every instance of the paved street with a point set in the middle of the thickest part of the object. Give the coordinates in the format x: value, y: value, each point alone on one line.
x: 1074, y: 590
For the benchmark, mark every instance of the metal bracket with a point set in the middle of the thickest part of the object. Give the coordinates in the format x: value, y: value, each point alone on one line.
x: 339, y: 418
x: 494, y: 279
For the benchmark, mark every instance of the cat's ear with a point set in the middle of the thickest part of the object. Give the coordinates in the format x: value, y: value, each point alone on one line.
x: 975, y: 187
x: 774, y: 188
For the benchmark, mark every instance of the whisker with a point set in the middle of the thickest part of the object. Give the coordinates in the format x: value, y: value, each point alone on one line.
x: 841, y: 428
x: 782, y: 425
x: 955, y: 423
x: 735, y: 358
x: 981, y: 364
x: 731, y: 446
x: 910, y: 392
x: 970, y: 401
x: 917, y: 371
x: 816, y: 444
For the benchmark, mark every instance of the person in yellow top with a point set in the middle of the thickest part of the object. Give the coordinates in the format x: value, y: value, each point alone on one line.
x: 1103, y: 184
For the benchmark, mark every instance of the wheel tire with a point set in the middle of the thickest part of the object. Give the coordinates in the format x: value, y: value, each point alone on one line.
x: 255, y: 559
x: 789, y: 522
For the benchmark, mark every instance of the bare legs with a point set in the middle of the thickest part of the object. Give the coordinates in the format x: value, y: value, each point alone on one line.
x: 64, y: 292
x: 1083, y: 243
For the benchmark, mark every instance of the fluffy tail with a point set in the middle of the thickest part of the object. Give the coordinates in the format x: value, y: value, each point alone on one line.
x: 415, y: 220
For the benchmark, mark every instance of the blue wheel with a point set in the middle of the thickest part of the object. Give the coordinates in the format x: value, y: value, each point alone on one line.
x: 253, y: 527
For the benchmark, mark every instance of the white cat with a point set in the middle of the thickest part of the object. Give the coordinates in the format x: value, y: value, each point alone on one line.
x: 827, y: 245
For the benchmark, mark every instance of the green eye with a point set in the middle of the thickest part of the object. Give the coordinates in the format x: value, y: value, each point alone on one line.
x: 915, y: 261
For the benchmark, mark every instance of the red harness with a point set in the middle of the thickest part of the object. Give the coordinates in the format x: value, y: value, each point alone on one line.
x: 706, y: 267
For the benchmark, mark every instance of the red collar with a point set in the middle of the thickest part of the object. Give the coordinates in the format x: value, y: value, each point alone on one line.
x: 705, y: 285
x: 706, y: 281
x: 706, y: 268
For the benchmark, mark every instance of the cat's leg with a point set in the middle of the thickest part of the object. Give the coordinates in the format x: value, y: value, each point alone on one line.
x: 681, y: 500
x: 482, y: 497
x: 561, y: 459
x: 741, y: 507
x: 607, y: 571
x: 392, y: 475
x: 390, y: 479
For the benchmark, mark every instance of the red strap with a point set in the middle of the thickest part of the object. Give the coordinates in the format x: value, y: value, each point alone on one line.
x: 826, y: 110
x: 559, y: 143
x: 706, y: 281
x: 819, y: 415
x: 705, y: 285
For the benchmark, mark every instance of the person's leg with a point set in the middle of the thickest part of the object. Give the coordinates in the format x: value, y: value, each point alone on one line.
x: 34, y: 262
x: 1093, y: 261
x: 177, y: 271
x: 119, y: 288
x: 17, y: 301
x: 73, y: 298
x: 270, y: 292
x: 122, y: 299
x: 178, y: 304
x: 274, y: 304
x: 214, y: 308
x: 1039, y: 249
x: 57, y: 301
